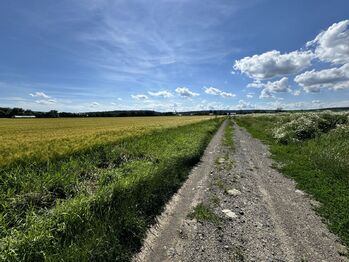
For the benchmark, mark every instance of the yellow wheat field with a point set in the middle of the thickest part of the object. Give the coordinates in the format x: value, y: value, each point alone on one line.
x: 43, y: 139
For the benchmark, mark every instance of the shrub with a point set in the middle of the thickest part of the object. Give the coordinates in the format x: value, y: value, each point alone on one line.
x: 302, y: 126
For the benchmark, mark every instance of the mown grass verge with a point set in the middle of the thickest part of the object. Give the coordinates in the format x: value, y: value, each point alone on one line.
x: 95, y: 205
x: 319, y: 164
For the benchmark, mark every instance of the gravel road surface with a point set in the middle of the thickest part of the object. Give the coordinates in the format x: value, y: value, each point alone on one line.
x: 261, y: 215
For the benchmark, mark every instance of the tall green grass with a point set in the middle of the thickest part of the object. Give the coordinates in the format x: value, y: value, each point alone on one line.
x: 319, y: 163
x: 95, y: 205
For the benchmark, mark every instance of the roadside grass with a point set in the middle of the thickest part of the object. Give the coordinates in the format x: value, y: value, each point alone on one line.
x: 204, y: 213
x: 229, y: 163
x: 95, y: 204
x: 319, y: 164
x: 228, y: 135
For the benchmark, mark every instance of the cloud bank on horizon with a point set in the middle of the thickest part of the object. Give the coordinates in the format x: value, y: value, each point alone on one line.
x: 173, y: 55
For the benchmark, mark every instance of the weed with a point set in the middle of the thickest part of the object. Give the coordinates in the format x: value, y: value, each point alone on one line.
x: 203, y: 213
x: 230, y: 164
x: 217, y: 161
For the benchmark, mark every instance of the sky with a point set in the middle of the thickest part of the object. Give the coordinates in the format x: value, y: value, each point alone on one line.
x: 173, y: 55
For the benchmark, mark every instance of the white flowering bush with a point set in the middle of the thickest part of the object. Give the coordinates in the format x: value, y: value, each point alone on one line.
x: 298, y: 127
x: 329, y: 121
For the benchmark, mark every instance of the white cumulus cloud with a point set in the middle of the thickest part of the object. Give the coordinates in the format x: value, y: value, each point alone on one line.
x: 43, y: 99
x: 218, y: 92
x: 296, y: 92
x: 40, y: 94
x: 94, y: 104
x: 266, y: 93
x: 279, y: 86
x: 46, y: 102
x: 139, y: 97
x: 250, y: 95
x: 227, y: 94
x: 273, y: 64
x: 164, y: 93
x: 185, y: 92
x: 332, y: 45
x: 245, y: 105
x: 333, y: 78
x: 255, y: 84
x: 212, y: 91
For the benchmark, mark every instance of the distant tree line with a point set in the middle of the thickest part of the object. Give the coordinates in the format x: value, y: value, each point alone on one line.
x: 16, y: 111
x: 6, y: 112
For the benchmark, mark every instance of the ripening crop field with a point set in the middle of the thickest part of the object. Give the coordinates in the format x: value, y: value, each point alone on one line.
x: 44, y: 139
x: 87, y: 189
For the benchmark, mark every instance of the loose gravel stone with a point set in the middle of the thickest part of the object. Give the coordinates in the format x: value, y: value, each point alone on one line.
x: 233, y: 192
x: 229, y: 213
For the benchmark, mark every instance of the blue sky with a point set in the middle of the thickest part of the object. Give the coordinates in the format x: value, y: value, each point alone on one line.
x: 165, y: 55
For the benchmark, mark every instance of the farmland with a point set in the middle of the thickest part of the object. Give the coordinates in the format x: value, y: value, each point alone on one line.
x: 87, y: 189
x: 44, y: 139
x: 313, y: 149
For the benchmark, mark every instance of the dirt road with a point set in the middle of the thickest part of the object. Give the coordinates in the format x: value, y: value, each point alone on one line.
x: 263, y: 217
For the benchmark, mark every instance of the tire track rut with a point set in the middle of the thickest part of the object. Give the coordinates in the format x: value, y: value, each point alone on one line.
x: 272, y: 220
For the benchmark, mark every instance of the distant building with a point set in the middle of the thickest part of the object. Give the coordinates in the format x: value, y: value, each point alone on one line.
x: 23, y: 116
